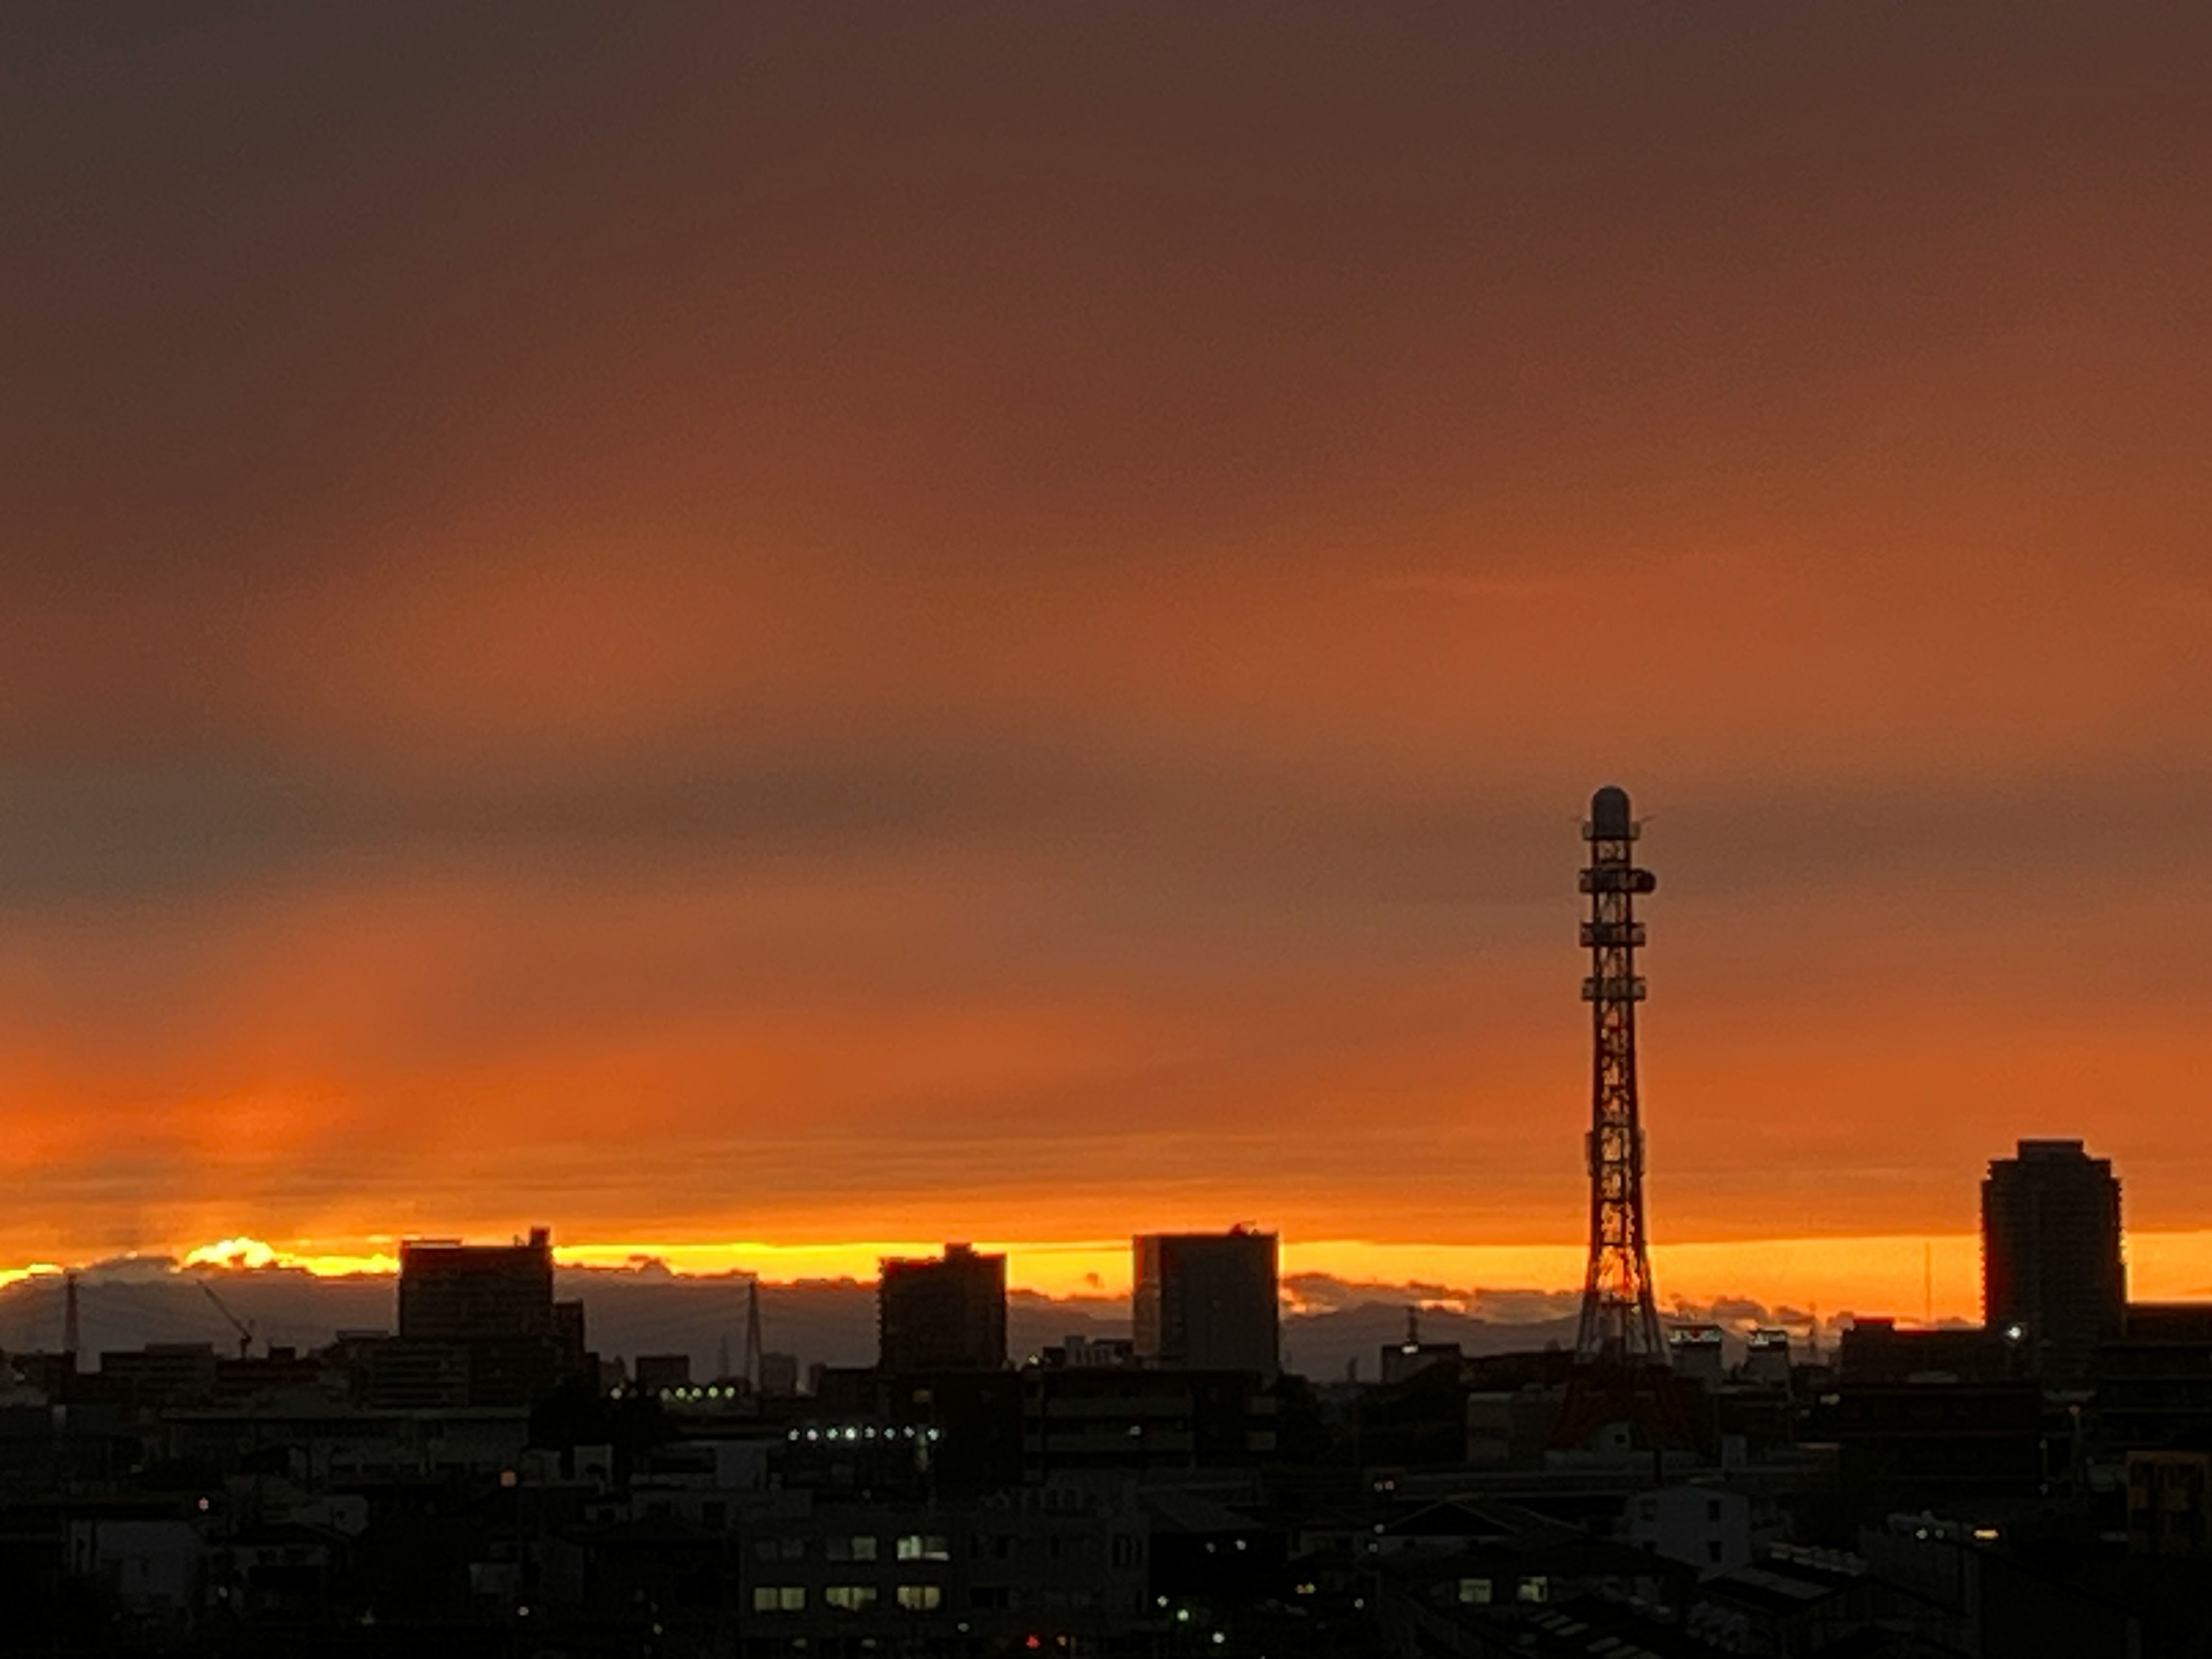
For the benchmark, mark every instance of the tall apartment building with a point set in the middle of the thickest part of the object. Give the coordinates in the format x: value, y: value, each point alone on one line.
x: 479, y: 1321
x: 1208, y: 1301
x: 942, y: 1312
x: 2052, y: 1277
x: 450, y: 1292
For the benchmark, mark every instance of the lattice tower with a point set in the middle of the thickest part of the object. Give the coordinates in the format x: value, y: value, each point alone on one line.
x: 1619, y: 1319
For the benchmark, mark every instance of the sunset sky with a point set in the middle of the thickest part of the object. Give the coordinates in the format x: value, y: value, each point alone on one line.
x: 807, y: 627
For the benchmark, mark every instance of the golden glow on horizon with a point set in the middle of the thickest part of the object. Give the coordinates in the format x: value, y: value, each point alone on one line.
x: 247, y: 1252
x: 241, y: 1252
x: 1889, y: 1273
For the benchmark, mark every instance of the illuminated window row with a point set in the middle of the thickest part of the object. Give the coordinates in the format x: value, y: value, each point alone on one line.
x: 1479, y: 1592
x: 912, y: 1547
x: 846, y: 1598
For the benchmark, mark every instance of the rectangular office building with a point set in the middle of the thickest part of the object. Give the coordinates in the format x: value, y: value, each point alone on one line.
x: 1208, y: 1302
x: 942, y: 1313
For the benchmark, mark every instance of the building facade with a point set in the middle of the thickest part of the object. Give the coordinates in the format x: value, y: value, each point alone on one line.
x: 1208, y: 1302
x: 478, y: 1326
x: 450, y: 1292
x: 2053, y: 1280
x: 942, y: 1312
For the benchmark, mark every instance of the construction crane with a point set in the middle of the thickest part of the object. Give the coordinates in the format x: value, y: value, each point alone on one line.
x: 243, y: 1327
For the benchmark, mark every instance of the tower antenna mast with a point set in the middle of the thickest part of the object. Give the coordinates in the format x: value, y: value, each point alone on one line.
x: 1619, y: 1319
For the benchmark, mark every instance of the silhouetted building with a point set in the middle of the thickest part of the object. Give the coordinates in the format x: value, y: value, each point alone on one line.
x: 281, y: 1372
x: 943, y: 1314
x: 1914, y: 1445
x: 450, y: 1292
x: 656, y: 1371
x: 1058, y: 1569
x: 2154, y: 1381
x: 1095, y: 1420
x: 1080, y: 1353
x: 2170, y: 1503
x: 1766, y: 1357
x: 1208, y: 1302
x: 1873, y: 1351
x: 779, y: 1376
x: 160, y: 1374
x: 2052, y: 1277
x: 493, y: 1306
x: 390, y: 1375
x: 1399, y: 1361
x: 1699, y: 1352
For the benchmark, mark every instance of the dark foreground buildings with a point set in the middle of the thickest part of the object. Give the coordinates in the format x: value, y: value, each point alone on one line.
x: 473, y: 1483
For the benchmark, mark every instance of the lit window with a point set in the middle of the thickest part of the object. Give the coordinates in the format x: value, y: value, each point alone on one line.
x: 1535, y: 1589
x: 921, y: 1598
x: 1473, y: 1592
x: 778, y: 1598
x: 850, y: 1598
x: 918, y: 1546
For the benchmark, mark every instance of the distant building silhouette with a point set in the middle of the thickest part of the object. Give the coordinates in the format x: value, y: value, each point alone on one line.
x: 1698, y: 1351
x: 1208, y: 1302
x: 450, y: 1292
x: 657, y: 1371
x: 1767, y: 1359
x: 1081, y: 1353
x: 779, y: 1376
x: 1399, y: 1361
x: 477, y: 1325
x: 942, y: 1313
x: 2053, y: 1276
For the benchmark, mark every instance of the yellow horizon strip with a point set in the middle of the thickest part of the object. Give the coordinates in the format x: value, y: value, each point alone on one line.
x: 1869, y: 1274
